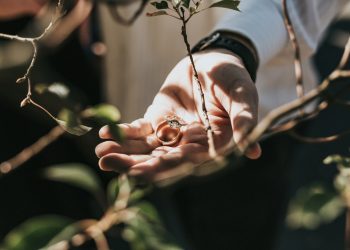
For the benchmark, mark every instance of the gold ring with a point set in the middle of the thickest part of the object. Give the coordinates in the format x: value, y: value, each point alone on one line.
x: 168, y: 132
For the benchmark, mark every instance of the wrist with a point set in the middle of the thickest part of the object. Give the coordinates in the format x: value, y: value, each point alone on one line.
x: 234, y: 57
x: 227, y: 42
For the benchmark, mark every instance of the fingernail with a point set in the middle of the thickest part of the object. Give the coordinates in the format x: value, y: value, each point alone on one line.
x: 103, y: 131
x: 109, y: 164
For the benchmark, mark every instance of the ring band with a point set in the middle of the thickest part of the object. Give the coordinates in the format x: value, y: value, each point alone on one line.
x: 168, y: 132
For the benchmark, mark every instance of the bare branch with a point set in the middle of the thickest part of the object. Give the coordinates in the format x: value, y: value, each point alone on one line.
x: 212, y: 151
x: 96, y: 229
x: 34, y: 43
x: 345, y: 58
x: 327, y: 139
x: 27, y: 153
x: 170, y: 176
x: 297, y: 58
x: 124, y: 193
x: 117, y: 17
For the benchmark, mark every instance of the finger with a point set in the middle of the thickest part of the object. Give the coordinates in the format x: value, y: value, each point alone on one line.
x: 242, y: 125
x: 159, y: 151
x: 126, y: 147
x: 194, y: 133
x: 243, y: 114
x: 192, y: 152
x: 121, y: 162
x: 137, y: 129
x: 254, y: 151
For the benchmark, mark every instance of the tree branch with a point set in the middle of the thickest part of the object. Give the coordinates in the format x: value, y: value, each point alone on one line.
x: 297, y: 58
x: 34, y: 43
x: 212, y: 151
x: 27, y: 153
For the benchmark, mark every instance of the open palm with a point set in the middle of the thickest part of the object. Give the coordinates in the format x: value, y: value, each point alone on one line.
x: 231, y: 100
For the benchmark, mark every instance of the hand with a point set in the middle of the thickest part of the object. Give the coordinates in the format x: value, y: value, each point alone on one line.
x: 14, y: 8
x: 232, y: 103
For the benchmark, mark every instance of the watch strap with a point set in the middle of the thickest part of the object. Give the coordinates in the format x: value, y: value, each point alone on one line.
x: 238, y: 46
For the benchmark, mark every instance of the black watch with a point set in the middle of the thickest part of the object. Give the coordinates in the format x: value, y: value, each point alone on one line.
x: 218, y: 40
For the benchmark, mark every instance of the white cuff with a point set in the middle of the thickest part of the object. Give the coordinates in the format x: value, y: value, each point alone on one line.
x: 260, y: 21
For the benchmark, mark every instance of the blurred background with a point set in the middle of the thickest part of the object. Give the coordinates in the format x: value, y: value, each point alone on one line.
x: 100, y: 60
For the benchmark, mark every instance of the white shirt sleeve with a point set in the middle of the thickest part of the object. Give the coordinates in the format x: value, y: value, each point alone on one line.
x: 262, y: 22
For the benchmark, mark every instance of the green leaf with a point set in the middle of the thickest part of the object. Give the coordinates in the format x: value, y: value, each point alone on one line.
x: 104, y: 112
x: 112, y: 190
x: 35, y: 233
x: 313, y: 206
x: 78, y: 130
x: 341, y: 161
x: 186, y: 3
x: 157, y: 13
x: 71, y: 123
x: 146, y: 232
x: 56, y: 88
x: 176, y: 3
x: 66, y: 234
x: 192, y: 10
x: 342, y: 180
x: 116, y: 132
x: 76, y: 174
x: 229, y: 4
x: 138, y: 193
x: 162, y: 5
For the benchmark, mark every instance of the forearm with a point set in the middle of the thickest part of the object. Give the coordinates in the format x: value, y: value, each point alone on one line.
x: 262, y: 23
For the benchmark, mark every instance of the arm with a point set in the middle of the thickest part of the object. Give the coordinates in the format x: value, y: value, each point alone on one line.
x: 262, y: 23
x: 229, y: 92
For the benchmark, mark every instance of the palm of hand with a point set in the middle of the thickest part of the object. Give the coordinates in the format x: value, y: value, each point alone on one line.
x: 231, y: 102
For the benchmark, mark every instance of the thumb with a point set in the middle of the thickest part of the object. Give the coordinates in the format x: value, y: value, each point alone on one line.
x: 242, y: 124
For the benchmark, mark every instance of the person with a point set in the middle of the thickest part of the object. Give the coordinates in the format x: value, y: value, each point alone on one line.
x: 232, y: 97
x: 243, y: 208
x: 215, y: 64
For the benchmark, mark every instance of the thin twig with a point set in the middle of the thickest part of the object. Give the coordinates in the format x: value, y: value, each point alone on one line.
x: 327, y: 139
x: 345, y: 58
x: 34, y: 43
x: 124, y: 193
x: 288, y: 108
x: 96, y: 229
x: 297, y: 58
x: 212, y: 151
x: 168, y: 177
x: 27, y: 153
x: 117, y: 17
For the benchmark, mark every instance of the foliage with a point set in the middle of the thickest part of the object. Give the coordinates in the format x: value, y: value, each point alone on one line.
x: 317, y: 204
x: 313, y: 206
x: 146, y: 232
x: 35, y: 232
x: 143, y: 229
x: 78, y: 175
x: 192, y: 7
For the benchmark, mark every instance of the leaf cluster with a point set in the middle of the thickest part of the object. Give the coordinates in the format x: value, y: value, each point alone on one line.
x: 318, y: 204
x: 143, y: 229
x: 187, y: 8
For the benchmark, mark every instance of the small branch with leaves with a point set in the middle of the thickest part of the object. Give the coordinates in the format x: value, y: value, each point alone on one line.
x: 184, y: 10
x: 34, y: 43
